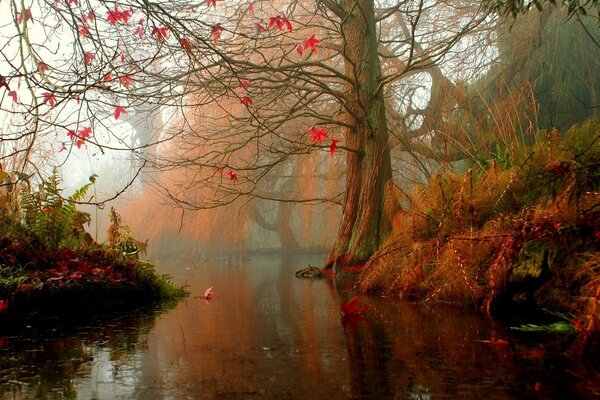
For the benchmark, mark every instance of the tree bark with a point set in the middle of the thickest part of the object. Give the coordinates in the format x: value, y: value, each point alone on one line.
x: 363, y: 227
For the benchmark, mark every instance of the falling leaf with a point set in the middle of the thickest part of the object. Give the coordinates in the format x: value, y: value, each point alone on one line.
x: 49, y: 98
x: 245, y: 83
x: 89, y: 57
x: 161, y: 33
x: 311, y: 43
x: 216, y: 33
x: 247, y: 101
x: 13, y: 94
x: 318, y: 134
x: 118, y: 111
x: 333, y: 146
x: 232, y: 176
x: 351, y: 307
x: 125, y: 80
x: 186, y: 44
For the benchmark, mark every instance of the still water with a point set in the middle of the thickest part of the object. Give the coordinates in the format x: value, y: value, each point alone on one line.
x: 269, y: 335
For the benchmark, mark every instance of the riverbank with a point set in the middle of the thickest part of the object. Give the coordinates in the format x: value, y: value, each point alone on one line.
x: 521, y: 233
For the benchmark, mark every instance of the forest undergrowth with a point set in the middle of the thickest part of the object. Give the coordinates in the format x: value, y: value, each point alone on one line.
x: 521, y: 231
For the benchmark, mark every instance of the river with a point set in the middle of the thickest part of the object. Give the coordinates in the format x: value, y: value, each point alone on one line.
x: 269, y: 335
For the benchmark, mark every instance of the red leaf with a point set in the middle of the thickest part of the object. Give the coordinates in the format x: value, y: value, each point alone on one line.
x: 333, y: 146
x: 72, y: 2
x: 280, y: 21
x: 232, y: 176
x: 300, y: 48
x: 63, y: 146
x: 13, y: 94
x: 186, y: 44
x: 216, y: 33
x: 49, y: 98
x: 311, y: 43
x: 108, y: 77
x: 125, y: 80
x: 113, y: 16
x: 251, y: 8
x: 89, y: 17
x: 212, y: 3
x: 42, y: 67
x: 27, y: 16
x: 245, y: 83
x: 3, y: 305
x: 259, y: 27
x: 84, y: 31
x: 71, y: 134
x: 318, y: 134
x: 208, y: 294
x: 351, y: 307
x: 89, y: 57
x: 79, y: 143
x: 160, y: 33
x: 139, y: 31
x: 118, y: 111
x: 85, y: 133
x: 247, y: 101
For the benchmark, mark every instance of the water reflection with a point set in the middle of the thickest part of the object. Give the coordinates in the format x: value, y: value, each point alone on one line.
x: 266, y: 334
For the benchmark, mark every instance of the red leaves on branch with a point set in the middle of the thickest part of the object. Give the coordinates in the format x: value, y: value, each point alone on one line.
x: 13, y: 94
x: 49, y: 98
x: 318, y: 134
x: 232, y: 176
x: 114, y: 16
x: 89, y: 17
x: 247, y: 101
x: 251, y: 8
x: 125, y: 81
x: 309, y: 43
x: 108, y: 77
x: 85, y: 133
x: 42, y: 67
x: 89, y: 57
x: 161, y: 33
x: 245, y: 83
x: 118, y: 111
x: 84, y: 31
x: 27, y: 14
x: 259, y: 27
x: 333, y: 146
x: 280, y: 21
x: 216, y: 33
x: 72, y: 2
x: 351, y: 307
x: 186, y: 44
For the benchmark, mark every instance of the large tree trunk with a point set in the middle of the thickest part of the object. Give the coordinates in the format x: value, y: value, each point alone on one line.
x: 363, y: 227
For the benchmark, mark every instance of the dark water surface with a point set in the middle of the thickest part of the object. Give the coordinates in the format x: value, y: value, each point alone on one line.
x: 269, y: 335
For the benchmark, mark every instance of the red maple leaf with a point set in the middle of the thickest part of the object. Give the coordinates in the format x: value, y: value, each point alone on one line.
x: 351, y: 307
x: 84, y: 31
x: 232, y: 176
x: 13, y: 94
x: 247, y: 101
x: 139, y: 31
x: 300, y: 48
x: 311, y: 43
x: 108, y: 77
x: 216, y: 33
x: 280, y: 21
x: 251, y: 8
x: 125, y: 80
x: 245, y: 83
x: 113, y: 16
x: 85, y: 133
x: 333, y: 146
x: 186, y: 44
x: 42, y: 67
x: 28, y: 16
x: 49, y: 98
x: 89, y: 17
x: 318, y: 134
x: 71, y: 134
x: 125, y: 15
x: 259, y: 27
x: 89, y: 57
x: 118, y: 111
x: 160, y: 33
x: 72, y: 2
x: 79, y: 143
